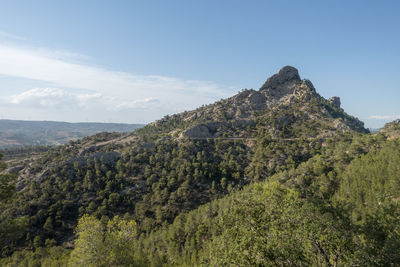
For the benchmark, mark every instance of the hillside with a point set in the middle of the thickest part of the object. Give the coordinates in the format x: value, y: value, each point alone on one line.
x: 15, y: 133
x: 285, y: 132
x: 336, y: 209
x: 392, y: 129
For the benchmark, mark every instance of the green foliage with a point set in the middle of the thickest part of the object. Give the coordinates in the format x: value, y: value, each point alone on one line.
x: 271, y: 225
x: 11, y: 229
x: 381, y: 237
x: 46, y: 257
x: 104, y: 245
x: 372, y: 180
x: 294, y: 219
x: 263, y: 225
x: 7, y: 187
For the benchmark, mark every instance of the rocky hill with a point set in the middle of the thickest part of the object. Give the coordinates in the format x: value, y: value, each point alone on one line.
x: 392, y: 129
x: 284, y: 101
x: 177, y: 163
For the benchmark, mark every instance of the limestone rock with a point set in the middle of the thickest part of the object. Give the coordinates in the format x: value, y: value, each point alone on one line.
x: 340, y: 125
x: 335, y: 100
x: 286, y: 74
x: 280, y: 85
x: 256, y: 101
x: 197, y: 131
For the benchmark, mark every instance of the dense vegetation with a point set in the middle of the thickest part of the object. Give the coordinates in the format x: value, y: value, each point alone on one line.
x: 340, y: 207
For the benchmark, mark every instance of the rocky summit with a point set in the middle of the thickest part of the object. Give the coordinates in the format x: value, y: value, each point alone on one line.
x: 285, y: 75
x: 284, y: 92
x: 281, y: 84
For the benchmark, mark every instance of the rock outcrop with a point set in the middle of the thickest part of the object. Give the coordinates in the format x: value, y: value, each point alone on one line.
x: 392, y: 129
x: 285, y: 75
x: 335, y: 100
x: 281, y: 84
x: 197, y: 131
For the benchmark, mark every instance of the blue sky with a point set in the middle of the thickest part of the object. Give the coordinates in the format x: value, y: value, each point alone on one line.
x: 136, y: 61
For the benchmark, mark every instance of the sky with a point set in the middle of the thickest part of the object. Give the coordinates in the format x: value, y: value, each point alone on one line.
x: 137, y: 61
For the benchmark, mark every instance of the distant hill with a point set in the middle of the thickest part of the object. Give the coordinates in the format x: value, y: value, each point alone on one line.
x: 16, y: 133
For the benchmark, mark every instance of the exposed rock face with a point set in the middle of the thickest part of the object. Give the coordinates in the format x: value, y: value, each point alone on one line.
x: 281, y: 84
x: 286, y: 74
x: 256, y: 100
x: 340, y: 125
x: 197, y: 131
x: 245, y: 101
x: 335, y: 100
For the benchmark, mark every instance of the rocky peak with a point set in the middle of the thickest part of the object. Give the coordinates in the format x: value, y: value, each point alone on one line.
x: 284, y: 84
x: 285, y: 75
x: 282, y: 93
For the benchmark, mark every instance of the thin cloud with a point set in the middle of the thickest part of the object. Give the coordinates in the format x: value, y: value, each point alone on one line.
x: 8, y: 36
x: 48, y: 67
x: 142, y: 104
x: 52, y: 98
x: 384, y: 117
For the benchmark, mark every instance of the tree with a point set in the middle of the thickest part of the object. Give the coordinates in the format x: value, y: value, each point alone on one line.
x: 89, y: 248
x: 7, y: 187
x: 104, y: 245
x: 11, y: 229
x: 272, y: 226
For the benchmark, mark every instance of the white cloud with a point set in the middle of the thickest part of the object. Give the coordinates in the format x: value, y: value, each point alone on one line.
x: 118, y: 90
x: 384, y: 117
x: 52, y: 98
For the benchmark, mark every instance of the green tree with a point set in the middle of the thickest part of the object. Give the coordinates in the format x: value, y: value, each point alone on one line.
x: 104, y: 245
x: 272, y: 226
x: 89, y: 246
x: 11, y: 229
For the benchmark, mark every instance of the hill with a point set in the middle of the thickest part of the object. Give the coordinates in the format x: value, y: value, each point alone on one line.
x: 392, y: 129
x: 284, y: 105
x: 177, y: 178
x: 16, y: 133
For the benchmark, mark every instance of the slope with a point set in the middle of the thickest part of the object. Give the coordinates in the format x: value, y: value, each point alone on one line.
x: 179, y: 162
